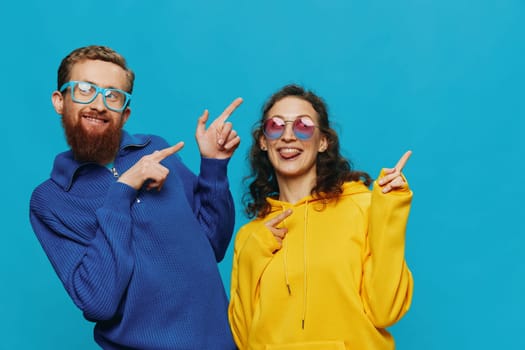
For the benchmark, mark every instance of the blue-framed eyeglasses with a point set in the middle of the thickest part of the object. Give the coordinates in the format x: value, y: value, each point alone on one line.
x: 83, y: 92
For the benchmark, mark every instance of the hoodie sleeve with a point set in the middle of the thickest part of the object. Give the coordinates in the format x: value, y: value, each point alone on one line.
x: 387, y: 281
x: 252, y: 253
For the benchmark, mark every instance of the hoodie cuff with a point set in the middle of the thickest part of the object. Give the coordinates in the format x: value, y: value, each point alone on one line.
x: 267, y: 241
x: 401, y: 190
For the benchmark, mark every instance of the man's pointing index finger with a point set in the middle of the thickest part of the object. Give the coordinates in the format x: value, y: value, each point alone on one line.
x: 168, y: 151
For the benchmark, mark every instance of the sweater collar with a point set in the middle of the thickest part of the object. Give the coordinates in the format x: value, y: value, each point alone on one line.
x: 65, y: 166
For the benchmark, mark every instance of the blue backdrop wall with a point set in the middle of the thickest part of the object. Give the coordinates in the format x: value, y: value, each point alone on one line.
x: 444, y: 78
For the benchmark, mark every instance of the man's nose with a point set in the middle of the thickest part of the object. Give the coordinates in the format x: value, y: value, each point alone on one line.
x: 98, y: 102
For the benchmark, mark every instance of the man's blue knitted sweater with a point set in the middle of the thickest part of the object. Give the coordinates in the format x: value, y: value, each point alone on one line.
x: 141, y: 264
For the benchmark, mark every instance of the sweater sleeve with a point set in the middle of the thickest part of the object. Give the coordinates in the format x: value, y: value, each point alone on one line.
x: 387, y: 281
x: 212, y: 202
x: 252, y: 253
x: 95, y: 268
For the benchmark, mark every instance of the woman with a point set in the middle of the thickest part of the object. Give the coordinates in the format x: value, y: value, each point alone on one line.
x: 321, y: 265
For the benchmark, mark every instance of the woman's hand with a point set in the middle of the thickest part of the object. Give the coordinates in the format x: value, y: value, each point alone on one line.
x: 393, y: 178
x: 273, y: 225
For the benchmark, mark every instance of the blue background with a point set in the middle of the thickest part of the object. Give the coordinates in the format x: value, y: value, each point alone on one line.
x: 444, y: 78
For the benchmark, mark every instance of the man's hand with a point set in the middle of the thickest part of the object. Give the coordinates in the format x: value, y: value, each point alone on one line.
x: 219, y: 140
x: 149, y: 168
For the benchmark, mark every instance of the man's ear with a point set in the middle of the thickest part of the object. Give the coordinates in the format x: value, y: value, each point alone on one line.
x: 58, y: 102
x: 125, y: 115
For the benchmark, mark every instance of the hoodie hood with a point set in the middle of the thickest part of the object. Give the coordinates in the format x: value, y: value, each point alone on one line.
x: 349, y: 188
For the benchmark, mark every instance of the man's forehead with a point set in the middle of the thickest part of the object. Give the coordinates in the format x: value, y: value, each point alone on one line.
x: 102, y: 73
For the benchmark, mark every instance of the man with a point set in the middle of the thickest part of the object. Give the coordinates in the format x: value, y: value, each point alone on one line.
x: 133, y: 235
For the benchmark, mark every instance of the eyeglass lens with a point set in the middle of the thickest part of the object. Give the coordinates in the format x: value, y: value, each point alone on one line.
x: 86, y: 92
x: 303, y: 127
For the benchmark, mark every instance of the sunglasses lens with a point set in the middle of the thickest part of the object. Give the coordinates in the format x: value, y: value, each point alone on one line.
x: 303, y: 128
x: 273, y: 128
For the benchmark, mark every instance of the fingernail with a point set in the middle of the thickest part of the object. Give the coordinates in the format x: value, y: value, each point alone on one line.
x: 220, y: 141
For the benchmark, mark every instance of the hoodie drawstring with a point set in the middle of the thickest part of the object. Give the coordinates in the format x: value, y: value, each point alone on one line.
x: 305, y: 263
x: 285, y: 266
x: 285, y: 248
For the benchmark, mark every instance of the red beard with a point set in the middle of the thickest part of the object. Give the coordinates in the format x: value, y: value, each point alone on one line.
x: 89, y: 147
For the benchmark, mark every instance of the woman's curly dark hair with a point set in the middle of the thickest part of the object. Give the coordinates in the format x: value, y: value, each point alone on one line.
x: 332, y: 168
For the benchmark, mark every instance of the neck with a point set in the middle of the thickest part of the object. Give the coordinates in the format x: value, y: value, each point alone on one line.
x: 292, y: 190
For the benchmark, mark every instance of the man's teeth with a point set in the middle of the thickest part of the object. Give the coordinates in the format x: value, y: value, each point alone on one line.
x: 94, y: 119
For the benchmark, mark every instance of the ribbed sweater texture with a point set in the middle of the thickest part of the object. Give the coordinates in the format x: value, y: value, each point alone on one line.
x: 140, y: 264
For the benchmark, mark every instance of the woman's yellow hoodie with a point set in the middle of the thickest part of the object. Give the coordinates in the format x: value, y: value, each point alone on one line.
x: 339, y: 279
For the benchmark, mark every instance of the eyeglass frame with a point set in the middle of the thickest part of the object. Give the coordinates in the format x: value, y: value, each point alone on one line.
x: 263, y: 127
x: 98, y: 90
